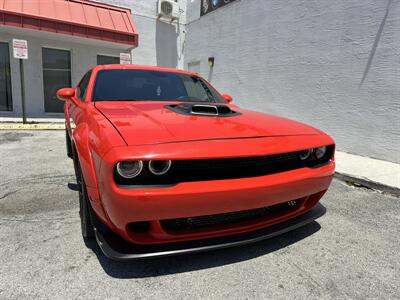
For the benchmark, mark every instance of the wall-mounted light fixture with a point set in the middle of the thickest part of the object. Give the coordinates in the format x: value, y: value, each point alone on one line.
x: 211, y: 62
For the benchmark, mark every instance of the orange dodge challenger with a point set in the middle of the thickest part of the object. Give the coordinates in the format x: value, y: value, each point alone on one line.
x: 167, y: 165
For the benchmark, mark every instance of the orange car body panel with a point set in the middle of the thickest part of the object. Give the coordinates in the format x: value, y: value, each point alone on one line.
x: 105, y: 133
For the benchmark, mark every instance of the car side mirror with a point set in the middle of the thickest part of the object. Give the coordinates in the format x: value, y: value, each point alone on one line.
x: 227, y: 98
x: 65, y: 94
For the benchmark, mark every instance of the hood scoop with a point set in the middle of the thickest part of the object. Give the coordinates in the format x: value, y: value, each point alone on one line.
x: 197, y: 109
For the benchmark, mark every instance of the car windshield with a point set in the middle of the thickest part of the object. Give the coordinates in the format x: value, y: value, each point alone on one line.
x: 139, y: 85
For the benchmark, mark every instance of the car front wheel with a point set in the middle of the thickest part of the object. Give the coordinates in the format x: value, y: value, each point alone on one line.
x: 68, y: 143
x: 85, y: 210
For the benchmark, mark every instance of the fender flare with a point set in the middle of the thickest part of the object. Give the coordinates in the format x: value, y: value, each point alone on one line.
x: 80, y: 146
x: 80, y: 141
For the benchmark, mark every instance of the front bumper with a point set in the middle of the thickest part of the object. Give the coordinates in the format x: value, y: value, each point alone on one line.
x: 116, y: 248
x: 208, y: 198
x: 118, y: 206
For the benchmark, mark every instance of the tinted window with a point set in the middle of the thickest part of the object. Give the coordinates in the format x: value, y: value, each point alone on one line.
x: 82, y: 87
x: 131, y: 85
x: 5, y: 79
x: 56, y: 75
x: 107, y: 60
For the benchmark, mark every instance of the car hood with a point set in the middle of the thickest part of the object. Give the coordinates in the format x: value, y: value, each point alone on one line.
x: 149, y: 122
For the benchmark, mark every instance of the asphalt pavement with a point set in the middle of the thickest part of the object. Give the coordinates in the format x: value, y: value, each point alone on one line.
x: 353, y: 252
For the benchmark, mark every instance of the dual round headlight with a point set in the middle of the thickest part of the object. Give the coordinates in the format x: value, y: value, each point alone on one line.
x: 305, y: 154
x: 132, y: 168
x: 159, y: 167
x: 318, y: 152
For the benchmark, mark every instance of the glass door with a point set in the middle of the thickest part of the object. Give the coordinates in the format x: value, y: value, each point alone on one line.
x: 56, y: 75
x: 5, y: 78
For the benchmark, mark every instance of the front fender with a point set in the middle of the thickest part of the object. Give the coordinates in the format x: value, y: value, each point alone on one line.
x: 81, y: 142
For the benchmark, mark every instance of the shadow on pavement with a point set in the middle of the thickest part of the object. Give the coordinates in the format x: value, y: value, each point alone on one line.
x: 199, y: 261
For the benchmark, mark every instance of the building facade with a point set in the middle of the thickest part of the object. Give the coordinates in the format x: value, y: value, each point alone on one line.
x: 58, y: 59
x: 65, y: 39
x: 332, y: 64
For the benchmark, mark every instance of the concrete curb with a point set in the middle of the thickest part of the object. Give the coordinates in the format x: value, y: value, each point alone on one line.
x: 365, y: 182
x: 32, y: 126
x: 368, y: 172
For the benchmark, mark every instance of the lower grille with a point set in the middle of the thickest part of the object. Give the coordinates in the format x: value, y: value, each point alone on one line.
x: 227, y: 218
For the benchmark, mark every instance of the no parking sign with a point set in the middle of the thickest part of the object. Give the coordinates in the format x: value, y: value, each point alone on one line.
x: 125, y: 58
x: 20, y: 49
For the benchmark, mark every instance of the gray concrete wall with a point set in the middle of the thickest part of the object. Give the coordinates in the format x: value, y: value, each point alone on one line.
x: 306, y: 60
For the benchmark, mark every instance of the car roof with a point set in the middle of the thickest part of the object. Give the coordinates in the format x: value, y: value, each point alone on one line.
x: 141, y: 67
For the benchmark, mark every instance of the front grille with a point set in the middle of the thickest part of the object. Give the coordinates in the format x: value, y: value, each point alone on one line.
x: 214, y: 169
x: 228, y: 218
x: 223, y: 168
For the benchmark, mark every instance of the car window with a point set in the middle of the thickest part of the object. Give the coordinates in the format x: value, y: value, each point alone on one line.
x: 149, y: 85
x: 82, y: 86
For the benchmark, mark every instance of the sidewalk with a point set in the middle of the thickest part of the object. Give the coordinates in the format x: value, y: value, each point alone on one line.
x: 32, y: 120
x: 369, y: 172
x: 7, y: 123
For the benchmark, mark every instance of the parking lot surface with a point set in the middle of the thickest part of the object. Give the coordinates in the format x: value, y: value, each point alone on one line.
x: 353, y: 252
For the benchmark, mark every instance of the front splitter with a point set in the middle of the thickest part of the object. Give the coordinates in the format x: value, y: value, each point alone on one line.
x: 116, y: 248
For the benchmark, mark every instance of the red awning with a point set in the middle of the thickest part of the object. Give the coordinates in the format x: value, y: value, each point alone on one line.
x: 81, y: 18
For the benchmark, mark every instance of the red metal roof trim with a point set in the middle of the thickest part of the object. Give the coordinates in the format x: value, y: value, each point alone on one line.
x: 81, y: 18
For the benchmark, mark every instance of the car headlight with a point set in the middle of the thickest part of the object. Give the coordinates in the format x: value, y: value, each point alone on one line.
x: 129, y: 168
x: 159, y: 167
x: 305, y: 154
x: 320, y: 152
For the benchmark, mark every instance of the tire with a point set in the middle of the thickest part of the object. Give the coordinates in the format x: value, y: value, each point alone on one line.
x: 86, y: 213
x: 68, y: 144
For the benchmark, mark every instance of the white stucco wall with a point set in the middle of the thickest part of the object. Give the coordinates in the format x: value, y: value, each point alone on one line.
x: 160, y: 43
x: 305, y: 60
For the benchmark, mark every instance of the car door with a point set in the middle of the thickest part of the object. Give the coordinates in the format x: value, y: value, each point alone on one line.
x: 76, y: 106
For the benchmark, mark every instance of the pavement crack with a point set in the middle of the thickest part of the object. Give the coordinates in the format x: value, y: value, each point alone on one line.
x: 315, y: 283
x: 307, y: 274
x: 23, y: 220
x: 36, y: 178
x: 8, y: 194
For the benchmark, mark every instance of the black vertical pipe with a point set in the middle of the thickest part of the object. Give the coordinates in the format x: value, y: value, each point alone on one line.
x: 21, y: 69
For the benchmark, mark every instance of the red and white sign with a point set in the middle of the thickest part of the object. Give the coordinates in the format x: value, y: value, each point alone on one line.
x: 20, y: 49
x: 125, y: 58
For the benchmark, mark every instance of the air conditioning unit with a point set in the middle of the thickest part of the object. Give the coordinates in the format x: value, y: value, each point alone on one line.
x: 168, y: 9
